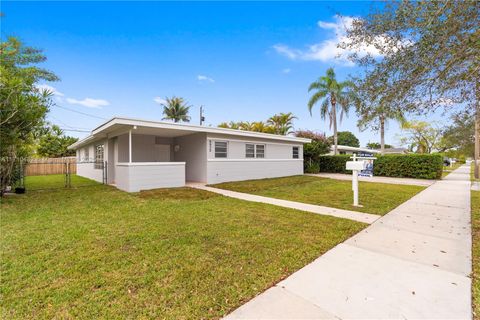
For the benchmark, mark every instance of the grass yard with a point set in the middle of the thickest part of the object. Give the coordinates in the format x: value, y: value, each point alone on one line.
x: 97, y: 252
x: 376, y: 198
x: 55, y: 181
x: 475, y: 205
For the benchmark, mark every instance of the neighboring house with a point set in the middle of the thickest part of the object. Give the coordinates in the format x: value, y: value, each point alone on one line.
x: 396, y: 151
x: 142, y: 154
x: 351, y: 150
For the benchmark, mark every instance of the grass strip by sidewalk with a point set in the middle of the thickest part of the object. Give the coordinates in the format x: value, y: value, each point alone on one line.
x: 97, y: 252
x: 475, y: 205
x: 376, y: 198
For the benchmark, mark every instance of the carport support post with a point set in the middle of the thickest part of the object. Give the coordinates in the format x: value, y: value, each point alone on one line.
x: 130, y: 146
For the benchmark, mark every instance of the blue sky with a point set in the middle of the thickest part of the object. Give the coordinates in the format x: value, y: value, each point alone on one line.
x: 242, y: 61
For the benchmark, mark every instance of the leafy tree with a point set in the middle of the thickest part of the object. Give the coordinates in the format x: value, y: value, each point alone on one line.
x: 420, y: 136
x: 282, y: 123
x: 175, y: 109
x: 22, y: 106
x: 332, y: 95
x: 320, y: 145
x: 429, y: 53
x: 372, y: 110
x: 346, y: 138
x: 377, y: 146
x: 54, y: 143
x: 458, y: 138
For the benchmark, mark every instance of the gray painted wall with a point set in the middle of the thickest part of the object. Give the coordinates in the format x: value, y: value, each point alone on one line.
x: 193, y: 151
x: 236, y: 147
x: 143, y: 148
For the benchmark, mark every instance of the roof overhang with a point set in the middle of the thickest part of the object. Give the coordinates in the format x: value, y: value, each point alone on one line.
x: 117, y: 126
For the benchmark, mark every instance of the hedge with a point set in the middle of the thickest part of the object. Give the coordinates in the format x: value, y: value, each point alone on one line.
x: 420, y: 166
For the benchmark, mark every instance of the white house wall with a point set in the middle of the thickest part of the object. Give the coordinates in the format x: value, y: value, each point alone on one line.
x: 145, y: 176
x: 86, y: 165
x: 278, y: 161
x: 192, y: 149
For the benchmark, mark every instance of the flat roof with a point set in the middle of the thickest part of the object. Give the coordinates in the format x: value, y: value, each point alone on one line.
x: 173, y: 129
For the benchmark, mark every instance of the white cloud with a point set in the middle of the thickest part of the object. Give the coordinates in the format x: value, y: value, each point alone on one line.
x: 159, y: 100
x: 327, y: 50
x: 54, y: 91
x: 205, y: 78
x: 89, y: 102
x: 286, y: 70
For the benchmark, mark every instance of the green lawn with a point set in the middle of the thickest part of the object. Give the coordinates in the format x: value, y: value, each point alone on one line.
x: 97, y: 252
x: 475, y: 205
x: 55, y: 181
x: 376, y: 198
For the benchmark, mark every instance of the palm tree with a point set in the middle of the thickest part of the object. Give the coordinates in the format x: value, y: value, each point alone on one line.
x: 282, y: 123
x: 175, y: 109
x: 334, y: 96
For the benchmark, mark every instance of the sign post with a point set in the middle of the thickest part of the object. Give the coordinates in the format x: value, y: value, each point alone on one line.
x: 356, y: 167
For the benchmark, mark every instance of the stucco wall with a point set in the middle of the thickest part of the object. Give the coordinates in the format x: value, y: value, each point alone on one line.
x: 278, y: 161
x: 145, y: 176
x: 193, y: 151
x: 236, y: 170
x: 236, y: 147
x: 88, y: 170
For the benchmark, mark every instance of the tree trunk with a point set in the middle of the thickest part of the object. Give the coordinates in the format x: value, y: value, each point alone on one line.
x: 382, y: 135
x: 335, y: 137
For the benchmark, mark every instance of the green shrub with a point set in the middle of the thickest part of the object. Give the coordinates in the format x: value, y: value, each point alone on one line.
x: 335, y: 164
x: 420, y: 166
x: 312, y: 167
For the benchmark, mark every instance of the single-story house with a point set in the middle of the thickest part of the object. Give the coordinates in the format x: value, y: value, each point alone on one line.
x: 136, y: 155
x: 341, y: 149
x: 396, y: 151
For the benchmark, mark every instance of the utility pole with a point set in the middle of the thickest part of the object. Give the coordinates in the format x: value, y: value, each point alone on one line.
x: 202, y: 118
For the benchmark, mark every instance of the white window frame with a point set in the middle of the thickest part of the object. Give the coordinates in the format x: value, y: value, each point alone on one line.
x: 298, y: 152
x: 264, y: 150
x: 98, y: 161
x: 255, y: 150
x: 250, y: 155
x: 215, y: 149
x: 86, y: 155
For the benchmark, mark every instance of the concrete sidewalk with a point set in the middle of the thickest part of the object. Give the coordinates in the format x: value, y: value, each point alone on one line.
x: 389, y: 180
x: 414, y: 262
x: 339, y: 213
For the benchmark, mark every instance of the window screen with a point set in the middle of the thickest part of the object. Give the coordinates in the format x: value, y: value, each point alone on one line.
x: 249, y: 150
x: 99, y: 156
x: 86, y: 156
x: 220, y: 149
x: 295, y: 152
x: 260, y: 151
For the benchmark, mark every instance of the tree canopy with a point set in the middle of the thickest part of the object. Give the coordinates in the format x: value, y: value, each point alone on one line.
x: 429, y: 53
x: 176, y: 109
x: 54, y: 143
x: 332, y: 95
x: 23, y: 106
x: 280, y: 123
x: 346, y: 138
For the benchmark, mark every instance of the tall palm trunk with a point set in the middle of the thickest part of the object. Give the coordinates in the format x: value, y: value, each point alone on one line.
x: 334, y: 119
x: 382, y: 134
